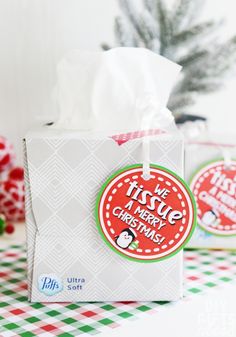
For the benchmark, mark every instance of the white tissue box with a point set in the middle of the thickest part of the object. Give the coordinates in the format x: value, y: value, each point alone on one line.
x: 214, y: 189
x: 64, y: 172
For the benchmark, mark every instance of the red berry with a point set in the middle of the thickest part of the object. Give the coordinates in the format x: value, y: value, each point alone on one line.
x: 9, y: 229
x: 7, y: 154
x: 17, y: 173
x: 5, y: 160
x: 12, y: 199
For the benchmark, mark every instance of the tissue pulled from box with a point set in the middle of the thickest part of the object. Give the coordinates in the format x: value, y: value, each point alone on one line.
x: 123, y: 89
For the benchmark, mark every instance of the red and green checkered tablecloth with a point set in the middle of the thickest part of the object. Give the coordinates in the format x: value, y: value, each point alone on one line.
x: 203, y: 270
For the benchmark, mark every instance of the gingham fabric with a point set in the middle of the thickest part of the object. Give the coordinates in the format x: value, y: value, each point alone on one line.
x: 125, y: 137
x: 203, y: 270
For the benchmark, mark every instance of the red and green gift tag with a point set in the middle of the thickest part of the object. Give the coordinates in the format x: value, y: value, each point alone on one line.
x: 145, y: 220
x: 214, y: 189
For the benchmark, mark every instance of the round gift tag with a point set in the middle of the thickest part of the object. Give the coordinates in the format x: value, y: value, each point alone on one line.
x: 214, y: 189
x: 145, y: 220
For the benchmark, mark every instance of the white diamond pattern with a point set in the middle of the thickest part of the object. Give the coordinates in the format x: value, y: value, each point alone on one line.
x: 62, y: 191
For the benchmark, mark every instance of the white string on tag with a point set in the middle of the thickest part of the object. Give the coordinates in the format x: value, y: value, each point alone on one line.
x: 146, y: 158
x: 226, y: 157
x: 225, y: 150
x: 148, y: 106
x: 153, y: 115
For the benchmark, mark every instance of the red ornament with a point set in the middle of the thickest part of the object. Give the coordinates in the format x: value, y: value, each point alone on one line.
x: 17, y: 173
x: 7, y: 154
x: 12, y: 195
x: 9, y: 228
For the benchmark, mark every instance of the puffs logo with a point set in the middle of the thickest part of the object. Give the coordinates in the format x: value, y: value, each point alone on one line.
x: 49, y: 284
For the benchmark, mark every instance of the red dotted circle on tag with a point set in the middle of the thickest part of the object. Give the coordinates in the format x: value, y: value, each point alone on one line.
x: 145, y: 220
x: 214, y: 189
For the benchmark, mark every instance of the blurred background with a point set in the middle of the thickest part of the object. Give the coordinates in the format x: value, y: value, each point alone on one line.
x: 35, y: 34
x: 198, y: 34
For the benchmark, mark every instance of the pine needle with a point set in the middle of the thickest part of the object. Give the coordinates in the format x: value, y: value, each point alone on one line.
x: 179, y: 35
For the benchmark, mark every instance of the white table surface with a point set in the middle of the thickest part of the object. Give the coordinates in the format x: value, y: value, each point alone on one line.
x: 207, y: 315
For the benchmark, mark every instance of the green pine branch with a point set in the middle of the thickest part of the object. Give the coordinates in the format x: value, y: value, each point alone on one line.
x: 165, y: 26
x: 177, y: 34
x: 193, y: 33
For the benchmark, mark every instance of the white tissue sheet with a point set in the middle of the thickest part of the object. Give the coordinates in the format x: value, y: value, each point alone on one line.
x: 123, y: 89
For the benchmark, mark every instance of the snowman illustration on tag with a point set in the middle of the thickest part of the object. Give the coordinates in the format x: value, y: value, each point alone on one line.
x: 125, y: 238
x: 210, y: 218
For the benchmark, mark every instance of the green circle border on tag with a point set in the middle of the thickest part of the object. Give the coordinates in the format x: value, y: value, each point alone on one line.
x: 200, y: 167
x: 138, y: 166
